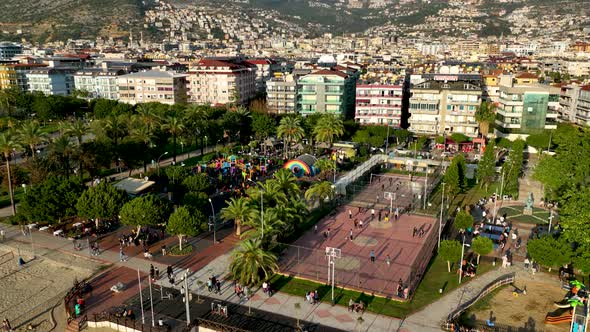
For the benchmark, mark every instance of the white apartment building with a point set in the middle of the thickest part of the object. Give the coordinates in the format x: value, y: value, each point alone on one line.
x: 264, y: 71
x: 165, y: 87
x: 221, y: 81
x: 378, y: 103
x: 9, y: 50
x: 575, y: 104
x: 98, y: 82
x: 51, y: 81
x: 281, y: 94
x: 445, y: 104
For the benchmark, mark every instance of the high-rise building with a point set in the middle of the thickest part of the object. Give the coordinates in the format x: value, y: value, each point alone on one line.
x: 445, y: 104
x: 98, y: 82
x: 326, y: 91
x: 14, y: 75
x: 574, y: 101
x: 219, y: 81
x: 9, y: 50
x: 526, y: 109
x: 152, y: 86
x: 51, y: 81
x: 379, y: 103
x: 265, y: 69
x: 281, y: 94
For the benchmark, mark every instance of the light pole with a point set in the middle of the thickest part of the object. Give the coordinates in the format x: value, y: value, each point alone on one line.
x: 501, y: 189
x: 158, y: 162
x: 214, y: 221
x: 261, y: 205
x: 151, y: 301
x: 461, y: 262
x: 550, y: 220
x: 187, y: 297
x: 140, y: 297
x: 442, y: 203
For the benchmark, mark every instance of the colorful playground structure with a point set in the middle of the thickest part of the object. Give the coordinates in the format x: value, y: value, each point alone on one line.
x: 572, y: 309
x: 303, y: 165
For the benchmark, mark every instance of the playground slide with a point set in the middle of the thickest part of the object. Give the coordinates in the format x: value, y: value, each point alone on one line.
x: 562, y: 315
x: 563, y: 303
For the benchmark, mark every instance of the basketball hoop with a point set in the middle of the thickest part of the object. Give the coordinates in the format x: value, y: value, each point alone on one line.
x: 332, y: 254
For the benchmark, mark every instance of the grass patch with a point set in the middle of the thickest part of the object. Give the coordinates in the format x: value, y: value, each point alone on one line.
x: 436, y: 277
x: 539, y: 216
x: 192, y: 161
x: 186, y: 249
x: 19, y: 193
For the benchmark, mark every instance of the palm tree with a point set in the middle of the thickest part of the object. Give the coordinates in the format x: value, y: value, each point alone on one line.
x: 290, y: 130
x: 287, y: 183
x: 326, y: 166
x: 142, y: 133
x: 320, y: 192
x: 251, y: 263
x: 30, y: 135
x: 484, y: 115
x: 147, y: 114
x: 271, y: 193
x: 114, y: 127
x: 237, y: 210
x: 328, y: 127
x: 273, y: 225
x: 174, y: 126
x: 7, y: 145
x: 76, y: 129
x: 197, y: 117
x: 61, y: 150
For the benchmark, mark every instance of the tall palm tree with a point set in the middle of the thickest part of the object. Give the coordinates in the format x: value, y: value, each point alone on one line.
x: 320, y: 192
x: 326, y: 166
x: 76, y: 129
x: 8, y: 143
x: 273, y: 225
x: 290, y: 130
x: 287, y: 183
x: 271, y: 193
x: 237, y: 210
x: 115, y: 127
x: 328, y: 127
x: 197, y: 117
x: 251, y: 263
x: 61, y: 150
x: 174, y: 126
x: 30, y: 135
x: 147, y: 114
x: 143, y: 134
x: 484, y: 115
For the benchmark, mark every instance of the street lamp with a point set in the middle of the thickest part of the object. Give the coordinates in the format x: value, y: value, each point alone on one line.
x: 261, y: 205
x: 442, y: 203
x: 462, y: 253
x: 158, y: 162
x: 214, y: 221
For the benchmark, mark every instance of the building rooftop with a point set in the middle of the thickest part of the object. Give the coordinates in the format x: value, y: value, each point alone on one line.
x: 154, y: 74
x: 326, y: 72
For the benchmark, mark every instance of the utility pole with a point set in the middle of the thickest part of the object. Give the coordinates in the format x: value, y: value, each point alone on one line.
x: 442, y: 203
x: 151, y: 301
x: 140, y: 297
x: 186, y: 297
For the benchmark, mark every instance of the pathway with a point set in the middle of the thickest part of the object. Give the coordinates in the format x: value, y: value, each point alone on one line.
x: 527, y: 184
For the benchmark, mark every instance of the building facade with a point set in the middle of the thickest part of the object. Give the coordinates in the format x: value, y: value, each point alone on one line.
x: 51, y: 81
x: 221, y: 81
x: 379, y: 104
x: 574, y: 101
x: 281, y: 94
x: 445, y: 104
x: 9, y: 50
x: 326, y: 91
x: 98, y: 82
x: 524, y: 110
x: 14, y: 75
x: 152, y: 86
x: 265, y: 68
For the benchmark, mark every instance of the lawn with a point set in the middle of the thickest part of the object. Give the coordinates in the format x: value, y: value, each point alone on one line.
x: 539, y: 216
x: 19, y: 193
x: 435, y: 278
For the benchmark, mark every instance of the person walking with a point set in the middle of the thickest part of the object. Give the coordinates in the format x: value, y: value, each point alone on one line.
x: 351, y: 234
x: 152, y: 271
x: 122, y: 256
x: 388, y: 260
x: 361, y: 224
x: 169, y: 271
x: 379, y: 215
x: 157, y: 273
x: 372, y: 256
x: 349, y: 214
x: 372, y: 214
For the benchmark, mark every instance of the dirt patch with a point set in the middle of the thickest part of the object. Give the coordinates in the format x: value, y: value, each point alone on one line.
x: 523, y: 310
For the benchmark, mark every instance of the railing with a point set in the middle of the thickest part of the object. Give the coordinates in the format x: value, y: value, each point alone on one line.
x: 215, y: 326
x: 121, y: 323
x: 501, y: 281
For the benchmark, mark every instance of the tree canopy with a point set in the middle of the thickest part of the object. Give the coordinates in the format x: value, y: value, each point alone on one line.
x: 482, y: 245
x: 463, y: 220
x: 52, y: 200
x: 147, y: 210
x: 550, y: 252
x: 184, y: 222
x: 450, y: 251
x: 101, y: 202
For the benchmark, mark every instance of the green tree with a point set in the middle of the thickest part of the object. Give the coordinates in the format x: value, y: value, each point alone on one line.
x: 196, y: 200
x: 76, y: 129
x: 184, y: 222
x: 486, y: 167
x: 575, y: 214
x: 513, y: 168
x: 450, y: 251
x: 581, y: 258
x: 482, y: 245
x: 539, y: 141
x: 147, y: 210
x: 326, y: 167
x: 463, y: 220
x: 30, y: 135
x: 197, y: 182
x: 459, y: 138
x: 101, y: 202
x: 174, y: 126
x: 550, y: 252
x: 401, y: 135
x: 286, y: 183
x: 51, y: 201
x: 251, y: 263
x: 273, y: 225
x: 263, y: 126
x: 9, y: 143
x: 485, y: 115
x: 177, y: 174
x: 237, y: 209
x: 455, y: 175
x: 320, y: 192
x: 328, y: 128
x: 290, y: 130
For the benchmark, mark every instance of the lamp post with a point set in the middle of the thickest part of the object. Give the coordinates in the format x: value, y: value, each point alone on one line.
x: 462, y: 253
x: 214, y: 221
x: 501, y: 189
x: 187, y: 297
x: 140, y: 297
x: 550, y: 220
x: 261, y: 205
x: 158, y: 162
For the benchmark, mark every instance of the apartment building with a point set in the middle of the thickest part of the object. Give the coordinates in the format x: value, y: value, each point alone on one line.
x: 379, y: 103
x: 98, y: 82
x: 14, y: 75
x: 9, y: 50
x: 265, y: 69
x: 220, y: 81
x: 152, y: 86
x: 51, y: 81
x: 575, y: 104
x: 326, y: 91
x: 281, y: 94
x: 445, y: 104
x: 526, y: 109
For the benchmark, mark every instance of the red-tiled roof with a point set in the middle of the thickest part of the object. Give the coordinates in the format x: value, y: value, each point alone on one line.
x: 217, y: 63
x: 585, y: 88
x: 329, y: 72
x: 259, y: 61
x: 338, y: 67
x: 526, y: 75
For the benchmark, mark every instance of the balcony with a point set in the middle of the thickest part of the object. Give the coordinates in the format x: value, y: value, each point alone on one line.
x: 333, y: 91
x: 423, y: 111
x: 307, y: 92
x: 308, y: 101
x: 333, y: 102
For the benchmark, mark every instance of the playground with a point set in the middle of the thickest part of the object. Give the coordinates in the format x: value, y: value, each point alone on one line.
x: 401, y: 249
